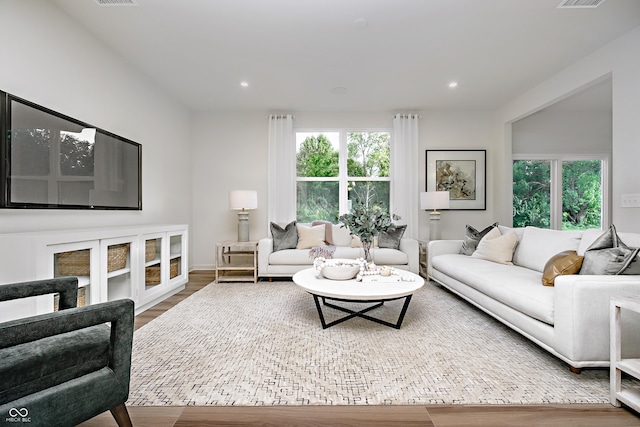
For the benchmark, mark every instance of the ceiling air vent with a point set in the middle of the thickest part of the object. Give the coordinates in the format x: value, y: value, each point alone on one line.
x: 117, y: 2
x: 579, y: 3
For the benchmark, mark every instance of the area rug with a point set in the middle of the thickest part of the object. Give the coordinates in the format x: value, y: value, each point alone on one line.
x: 262, y: 344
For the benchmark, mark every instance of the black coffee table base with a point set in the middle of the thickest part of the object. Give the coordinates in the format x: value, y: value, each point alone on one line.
x: 377, y: 303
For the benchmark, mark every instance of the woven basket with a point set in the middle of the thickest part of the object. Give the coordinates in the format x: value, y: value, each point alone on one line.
x: 82, y: 299
x: 152, y: 274
x: 117, y: 257
x: 150, y: 250
x: 74, y: 263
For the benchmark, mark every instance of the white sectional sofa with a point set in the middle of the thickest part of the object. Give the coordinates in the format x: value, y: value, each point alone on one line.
x: 570, y: 319
x: 287, y: 262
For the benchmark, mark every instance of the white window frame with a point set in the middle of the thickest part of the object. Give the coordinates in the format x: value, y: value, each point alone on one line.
x: 556, y: 183
x: 342, y: 178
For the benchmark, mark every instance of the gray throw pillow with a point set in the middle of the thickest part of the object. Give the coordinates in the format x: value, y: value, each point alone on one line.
x: 391, y: 238
x: 284, y: 238
x: 472, y: 237
x: 608, y: 255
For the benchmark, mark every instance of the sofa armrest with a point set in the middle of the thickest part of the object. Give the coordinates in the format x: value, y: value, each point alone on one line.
x: 67, y: 287
x: 118, y: 313
x: 265, y: 248
x: 581, y: 315
x: 411, y: 247
x: 441, y: 247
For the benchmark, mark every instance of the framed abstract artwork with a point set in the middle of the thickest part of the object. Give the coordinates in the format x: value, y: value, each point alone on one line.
x: 462, y: 173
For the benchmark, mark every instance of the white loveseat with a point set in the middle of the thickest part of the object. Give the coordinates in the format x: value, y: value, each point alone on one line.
x: 570, y: 319
x: 287, y: 262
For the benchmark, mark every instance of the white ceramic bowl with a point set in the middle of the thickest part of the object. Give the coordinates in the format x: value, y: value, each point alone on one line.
x: 343, y: 272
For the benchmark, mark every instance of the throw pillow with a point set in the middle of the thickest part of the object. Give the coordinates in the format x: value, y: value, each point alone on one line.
x: 308, y: 237
x: 328, y: 231
x: 566, y: 262
x: 609, y: 255
x: 391, y: 238
x: 496, y: 247
x: 472, y: 237
x: 284, y: 238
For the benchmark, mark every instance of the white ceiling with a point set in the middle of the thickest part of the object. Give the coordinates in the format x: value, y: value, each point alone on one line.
x: 389, y: 54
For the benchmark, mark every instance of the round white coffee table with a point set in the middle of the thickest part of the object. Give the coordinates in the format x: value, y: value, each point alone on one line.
x: 377, y: 292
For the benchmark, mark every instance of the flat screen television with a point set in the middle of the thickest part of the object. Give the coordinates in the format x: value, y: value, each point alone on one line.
x: 52, y: 161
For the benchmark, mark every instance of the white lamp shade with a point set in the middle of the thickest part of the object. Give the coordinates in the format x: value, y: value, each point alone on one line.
x: 434, y: 200
x: 243, y: 199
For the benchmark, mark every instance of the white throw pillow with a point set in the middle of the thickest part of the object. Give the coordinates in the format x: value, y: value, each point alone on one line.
x: 497, y: 247
x: 308, y: 237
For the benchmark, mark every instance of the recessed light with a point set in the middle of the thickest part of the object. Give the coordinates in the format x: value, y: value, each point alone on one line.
x: 339, y: 90
x: 244, y: 84
x: 453, y: 84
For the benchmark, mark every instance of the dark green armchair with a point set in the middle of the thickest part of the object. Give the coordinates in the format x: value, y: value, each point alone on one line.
x: 65, y: 367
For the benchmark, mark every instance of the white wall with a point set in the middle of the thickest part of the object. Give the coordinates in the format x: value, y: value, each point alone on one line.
x: 230, y: 152
x: 563, y: 132
x: 48, y: 59
x: 620, y: 61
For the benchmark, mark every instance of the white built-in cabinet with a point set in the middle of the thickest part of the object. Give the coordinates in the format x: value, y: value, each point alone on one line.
x: 144, y: 263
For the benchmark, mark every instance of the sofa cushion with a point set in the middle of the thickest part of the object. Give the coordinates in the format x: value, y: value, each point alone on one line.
x: 496, y: 247
x: 284, y: 238
x: 566, y: 262
x: 472, y: 237
x: 308, y: 237
x: 538, y: 245
x: 391, y: 238
x: 382, y: 256
x: 609, y: 255
x: 328, y: 231
x: 591, y: 235
x: 516, y: 287
x: 45, y: 363
x: 341, y: 235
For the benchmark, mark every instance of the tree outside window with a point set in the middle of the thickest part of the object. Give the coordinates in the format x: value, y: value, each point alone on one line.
x: 558, y: 194
x: 338, y: 169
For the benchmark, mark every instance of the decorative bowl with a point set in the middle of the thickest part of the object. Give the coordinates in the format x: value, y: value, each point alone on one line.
x: 340, y: 272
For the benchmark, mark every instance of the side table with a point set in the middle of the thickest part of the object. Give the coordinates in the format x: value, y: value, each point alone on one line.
x: 423, y: 246
x: 630, y: 397
x: 237, y: 261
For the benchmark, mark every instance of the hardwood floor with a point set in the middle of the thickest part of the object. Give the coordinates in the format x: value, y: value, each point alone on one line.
x: 359, y: 416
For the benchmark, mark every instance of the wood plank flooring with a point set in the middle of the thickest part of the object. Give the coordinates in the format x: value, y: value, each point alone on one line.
x: 360, y: 416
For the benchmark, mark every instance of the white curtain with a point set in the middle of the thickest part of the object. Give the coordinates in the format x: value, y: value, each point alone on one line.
x: 282, y: 170
x: 404, y: 171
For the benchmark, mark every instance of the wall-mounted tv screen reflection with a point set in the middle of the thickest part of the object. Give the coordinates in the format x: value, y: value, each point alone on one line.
x: 54, y: 161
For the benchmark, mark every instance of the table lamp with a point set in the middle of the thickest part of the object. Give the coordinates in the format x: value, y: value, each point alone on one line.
x: 243, y: 200
x: 434, y: 200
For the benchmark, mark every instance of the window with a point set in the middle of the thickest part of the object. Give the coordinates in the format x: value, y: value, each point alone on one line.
x: 335, y: 169
x: 559, y: 193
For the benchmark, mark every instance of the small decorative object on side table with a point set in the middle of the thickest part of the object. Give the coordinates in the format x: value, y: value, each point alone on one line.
x: 237, y: 261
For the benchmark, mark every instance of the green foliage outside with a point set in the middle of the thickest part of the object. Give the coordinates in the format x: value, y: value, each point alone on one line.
x: 581, y: 194
x: 368, y: 156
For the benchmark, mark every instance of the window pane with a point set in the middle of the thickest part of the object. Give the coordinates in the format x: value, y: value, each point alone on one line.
x: 581, y: 194
x: 317, y: 200
x: 317, y: 154
x: 371, y: 191
x: 531, y: 193
x: 368, y: 154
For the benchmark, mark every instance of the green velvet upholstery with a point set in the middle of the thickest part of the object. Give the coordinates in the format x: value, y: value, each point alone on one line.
x: 68, y: 366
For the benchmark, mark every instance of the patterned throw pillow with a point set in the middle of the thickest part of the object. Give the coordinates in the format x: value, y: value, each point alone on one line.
x: 609, y: 255
x: 284, y: 238
x: 391, y: 238
x: 472, y: 237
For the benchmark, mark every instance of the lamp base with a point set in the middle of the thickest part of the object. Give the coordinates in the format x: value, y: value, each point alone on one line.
x: 434, y: 225
x: 243, y: 226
